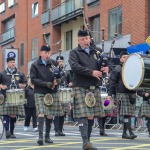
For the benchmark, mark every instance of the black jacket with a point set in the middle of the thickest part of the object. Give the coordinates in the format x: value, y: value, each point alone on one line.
x: 65, y: 77
x: 82, y: 65
x: 142, y: 94
x: 5, y: 79
x: 115, y: 82
x: 29, y: 95
x: 41, y: 74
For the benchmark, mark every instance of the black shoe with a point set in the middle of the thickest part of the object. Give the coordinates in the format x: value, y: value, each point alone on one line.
x: 102, y: 133
x: 48, y: 141
x: 40, y: 141
x: 125, y: 136
x: 8, y: 134
x: 61, y: 134
x: 133, y: 136
x: 56, y: 134
x: 12, y: 136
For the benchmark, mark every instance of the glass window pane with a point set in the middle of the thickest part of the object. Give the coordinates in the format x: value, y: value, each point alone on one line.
x: 96, y: 29
x: 69, y: 40
x: 115, y: 21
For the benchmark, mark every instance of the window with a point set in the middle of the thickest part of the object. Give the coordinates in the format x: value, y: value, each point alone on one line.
x: 46, y: 4
x: 34, y: 48
x: 2, y: 7
x: 92, y: 2
x: 96, y: 29
x: 9, y: 24
x: 34, y: 9
x: 22, y: 54
x: 69, y: 40
x: 115, y: 21
x: 11, y: 3
x: 47, y: 39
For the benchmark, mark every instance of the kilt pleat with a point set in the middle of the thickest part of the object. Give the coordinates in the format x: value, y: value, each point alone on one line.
x: 7, y: 109
x: 80, y: 109
x: 124, y: 105
x: 65, y: 107
x: 55, y: 109
x: 109, y: 112
x: 145, y: 109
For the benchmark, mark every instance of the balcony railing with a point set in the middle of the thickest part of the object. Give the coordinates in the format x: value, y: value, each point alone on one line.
x: 7, y: 36
x: 45, y: 17
x: 66, y: 11
x: 91, y: 2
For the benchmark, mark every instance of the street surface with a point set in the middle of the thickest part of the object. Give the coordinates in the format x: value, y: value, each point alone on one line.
x: 72, y: 140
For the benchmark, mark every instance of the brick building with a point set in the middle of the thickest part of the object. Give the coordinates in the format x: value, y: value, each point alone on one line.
x: 23, y: 23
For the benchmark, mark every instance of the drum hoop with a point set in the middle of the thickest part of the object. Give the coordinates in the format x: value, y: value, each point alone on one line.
x: 142, y: 71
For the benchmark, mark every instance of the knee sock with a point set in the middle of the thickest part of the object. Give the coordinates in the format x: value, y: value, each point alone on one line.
x: 6, y: 120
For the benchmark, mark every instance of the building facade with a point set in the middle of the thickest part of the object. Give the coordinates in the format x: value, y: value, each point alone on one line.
x: 25, y: 25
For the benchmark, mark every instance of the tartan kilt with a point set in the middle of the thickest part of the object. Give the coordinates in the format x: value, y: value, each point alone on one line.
x: 65, y: 107
x: 109, y: 112
x: 7, y: 109
x: 145, y: 109
x: 80, y: 109
x: 124, y: 105
x: 54, y: 110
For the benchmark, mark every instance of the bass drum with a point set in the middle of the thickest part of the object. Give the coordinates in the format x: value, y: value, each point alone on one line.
x: 136, y: 72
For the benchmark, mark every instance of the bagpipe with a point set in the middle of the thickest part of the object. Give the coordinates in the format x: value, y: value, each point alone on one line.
x: 55, y: 70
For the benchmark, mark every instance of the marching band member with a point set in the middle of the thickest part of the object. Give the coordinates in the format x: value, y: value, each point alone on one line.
x: 30, y: 109
x: 87, y: 74
x: 65, y: 82
x: 126, y: 98
x: 9, y: 112
x: 145, y: 108
x: 43, y: 77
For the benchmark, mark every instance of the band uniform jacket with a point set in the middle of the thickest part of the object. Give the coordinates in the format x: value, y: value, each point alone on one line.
x: 82, y: 65
x: 117, y: 87
x: 29, y: 94
x: 65, y: 77
x: 145, y: 108
x: 41, y: 74
x: 5, y: 79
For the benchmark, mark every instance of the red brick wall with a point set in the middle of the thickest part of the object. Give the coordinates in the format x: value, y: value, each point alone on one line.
x: 135, y: 22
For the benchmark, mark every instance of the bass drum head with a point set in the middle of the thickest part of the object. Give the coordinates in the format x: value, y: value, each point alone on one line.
x: 133, y: 71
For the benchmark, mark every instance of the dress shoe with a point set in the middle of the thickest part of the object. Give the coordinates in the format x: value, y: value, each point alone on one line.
x: 125, y: 136
x: 102, y: 133
x: 56, y: 134
x: 133, y: 136
x: 40, y: 141
x: 12, y: 136
x: 61, y: 134
x: 8, y: 133
x: 48, y: 141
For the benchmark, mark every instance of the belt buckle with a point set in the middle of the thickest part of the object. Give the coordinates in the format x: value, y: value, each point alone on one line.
x: 92, y: 87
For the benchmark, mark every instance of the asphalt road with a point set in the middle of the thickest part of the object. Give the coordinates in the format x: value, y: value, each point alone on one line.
x: 72, y: 140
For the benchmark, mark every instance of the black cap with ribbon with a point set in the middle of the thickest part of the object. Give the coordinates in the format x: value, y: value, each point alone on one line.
x: 82, y: 33
x: 59, y: 58
x: 45, y: 48
x: 123, y: 53
x: 10, y: 59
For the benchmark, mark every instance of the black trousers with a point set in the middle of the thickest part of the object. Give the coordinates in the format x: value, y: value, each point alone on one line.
x: 30, y: 112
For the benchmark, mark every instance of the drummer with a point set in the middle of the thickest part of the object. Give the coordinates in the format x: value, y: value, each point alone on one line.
x: 126, y: 107
x: 65, y: 82
x: 145, y: 108
x: 9, y: 112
